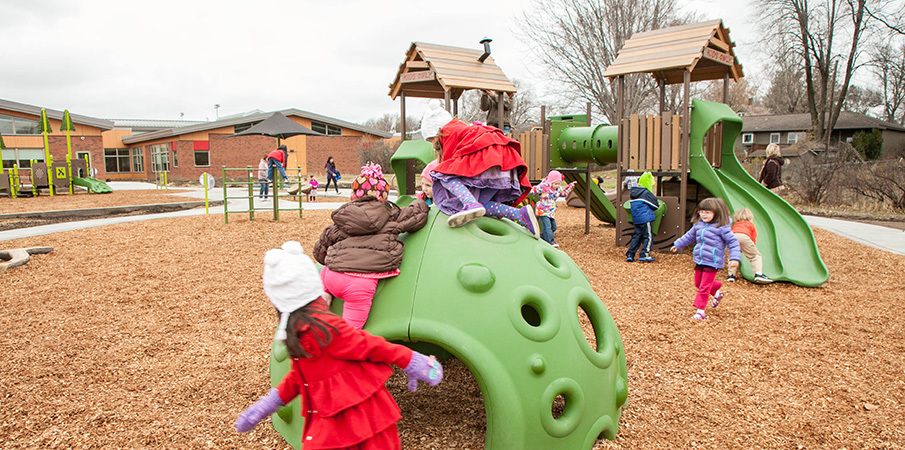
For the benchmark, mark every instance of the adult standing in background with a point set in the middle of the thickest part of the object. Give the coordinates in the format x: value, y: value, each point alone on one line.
x: 332, y: 175
x: 262, y: 178
x: 771, y: 173
x: 277, y: 158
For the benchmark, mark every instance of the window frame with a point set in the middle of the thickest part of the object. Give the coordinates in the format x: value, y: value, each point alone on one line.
x: 207, y: 154
x: 798, y: 136
x: 122, y: 158
x: 138, y: 164
x: 778, y: 138
x: 326, y: 128
x: 14, y: 128
x: 22, y: 163
x: 747, y: 138
x: 160, y: 157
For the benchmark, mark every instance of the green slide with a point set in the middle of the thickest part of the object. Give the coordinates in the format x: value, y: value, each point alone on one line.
x: 601, y: 206
x: 94, y: 185
x: 784, y: 239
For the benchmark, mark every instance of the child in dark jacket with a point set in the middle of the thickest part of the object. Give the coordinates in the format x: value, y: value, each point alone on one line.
x: 644, y: 203
x: 361, y: 246
x: 711, y: 234
x: 339, y: 372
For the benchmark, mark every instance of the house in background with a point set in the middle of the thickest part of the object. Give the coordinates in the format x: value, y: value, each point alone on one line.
x: 788, y: 129
x: 137, y: 149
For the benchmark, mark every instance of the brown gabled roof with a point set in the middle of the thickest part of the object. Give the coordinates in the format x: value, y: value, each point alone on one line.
x: 55, y: 114
x: 430, y: 70
x: 704, y: 49
x: 802, y: 122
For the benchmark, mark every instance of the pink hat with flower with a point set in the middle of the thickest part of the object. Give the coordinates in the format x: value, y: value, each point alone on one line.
x: 370, y: 182
x: 554, y: 176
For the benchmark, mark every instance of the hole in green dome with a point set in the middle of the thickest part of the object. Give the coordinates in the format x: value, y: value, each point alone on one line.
x: 493, y: 227
x: 552, y: 258
x: 531, y: 315
x: 559, y: 406
x: 587, y: 327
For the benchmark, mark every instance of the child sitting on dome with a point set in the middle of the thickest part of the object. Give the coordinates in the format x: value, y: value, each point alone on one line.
x: 480, y: 171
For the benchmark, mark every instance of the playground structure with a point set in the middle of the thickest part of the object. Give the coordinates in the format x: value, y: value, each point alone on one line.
x: 295, y: 189
x: 48, y: 174
x: 510, y: 310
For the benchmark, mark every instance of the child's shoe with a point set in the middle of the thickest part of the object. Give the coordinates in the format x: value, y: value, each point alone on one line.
x: 698, y: 316
x: 529, y: 220
x: 555, y: 245
x: 629, y: 259
x: 731, y: 278
x: 760, y: 278
x: 647, y: 258
x: 717, y: 298
x: 467, y: 215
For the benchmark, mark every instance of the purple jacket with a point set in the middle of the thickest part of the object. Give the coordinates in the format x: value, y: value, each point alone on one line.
x: 710, y: 244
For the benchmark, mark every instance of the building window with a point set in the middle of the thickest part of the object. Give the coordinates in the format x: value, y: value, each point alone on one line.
x: 329, y: 130
x: 202, y: 158
x: 21, y: 157
x: 160, y: 157
x: 175, y: 159
x: 17, y: 125
x: 747, y: 138
x: 138, y: 159
x: 116, y: 160
x: 795, y: 137
x: 774, y: 138
x: 242, y: 127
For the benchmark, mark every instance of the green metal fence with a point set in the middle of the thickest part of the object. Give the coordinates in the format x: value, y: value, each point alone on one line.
x: 250, y: 184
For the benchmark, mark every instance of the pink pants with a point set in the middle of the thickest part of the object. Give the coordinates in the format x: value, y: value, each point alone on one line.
x: 356, y: 292
x: 705, y: 281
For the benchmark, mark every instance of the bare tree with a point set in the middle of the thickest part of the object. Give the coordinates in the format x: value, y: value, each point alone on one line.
x: 787, y: 93
x: 741, y: 94
x: 823, y: 34
x: 862, y: 99
x: 582, y: 38
x: 888, y: 65
x: 389, y: 122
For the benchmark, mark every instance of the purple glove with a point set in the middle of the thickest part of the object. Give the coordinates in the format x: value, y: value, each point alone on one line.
x: 423, y: 368
x: 264, y: 407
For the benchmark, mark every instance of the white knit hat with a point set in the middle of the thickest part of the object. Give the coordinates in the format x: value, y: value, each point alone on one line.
x: 434, y: 119
x: 290, y: 281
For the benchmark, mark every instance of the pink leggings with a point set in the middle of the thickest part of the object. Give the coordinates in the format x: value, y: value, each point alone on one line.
x: 356, y: 292
x: 705, y: 281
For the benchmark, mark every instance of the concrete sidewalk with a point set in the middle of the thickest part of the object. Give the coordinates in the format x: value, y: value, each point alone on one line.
x: 884, y: 238
x: 325, y: 202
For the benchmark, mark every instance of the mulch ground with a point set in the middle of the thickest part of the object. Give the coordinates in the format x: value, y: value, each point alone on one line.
x: 156, y: 334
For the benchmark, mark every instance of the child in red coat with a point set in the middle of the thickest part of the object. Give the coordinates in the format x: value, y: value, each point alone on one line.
x: 480, y: 171
x: 339, y: 371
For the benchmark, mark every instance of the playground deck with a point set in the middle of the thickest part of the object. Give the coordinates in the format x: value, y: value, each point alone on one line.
x: 155, y: 334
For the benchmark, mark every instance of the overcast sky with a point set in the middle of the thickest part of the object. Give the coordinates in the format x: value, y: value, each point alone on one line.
x: 155, y: 60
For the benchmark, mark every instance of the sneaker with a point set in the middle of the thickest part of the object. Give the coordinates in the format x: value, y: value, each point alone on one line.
x: 731, y: 278
x: 530, y: 220
x: 629, y: 259
x: 717, y: 298
x: 760, y: 278
x: 462, y: 217
x: 647, y: 258
x: 698, y: 316
x: 555, y: 245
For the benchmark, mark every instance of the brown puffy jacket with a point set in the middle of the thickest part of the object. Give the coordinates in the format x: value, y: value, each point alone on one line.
x: 363, y: 236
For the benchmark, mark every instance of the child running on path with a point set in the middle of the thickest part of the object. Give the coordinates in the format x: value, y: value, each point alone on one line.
x: 711, y: 234
x: 548, y: 190
x: 339, y: 372
x: 643, y: 203
x: 744, y: 230
x: 361, y: 246
x: 480, y: 171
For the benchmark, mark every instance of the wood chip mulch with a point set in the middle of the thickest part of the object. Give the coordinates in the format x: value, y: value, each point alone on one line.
x: 156, y: 334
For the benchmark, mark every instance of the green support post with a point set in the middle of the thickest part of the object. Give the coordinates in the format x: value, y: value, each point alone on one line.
x: 225, y: 201
x: 251, y: 195
x: 276, y: 196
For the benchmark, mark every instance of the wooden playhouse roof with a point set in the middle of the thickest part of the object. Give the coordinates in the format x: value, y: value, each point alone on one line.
x: 430, y: 70
x: 704, y: 49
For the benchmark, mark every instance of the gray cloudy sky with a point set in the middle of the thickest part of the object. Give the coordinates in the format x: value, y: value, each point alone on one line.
x: 155, y: 60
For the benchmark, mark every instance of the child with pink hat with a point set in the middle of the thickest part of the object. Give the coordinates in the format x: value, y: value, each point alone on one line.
x: 548, y: 191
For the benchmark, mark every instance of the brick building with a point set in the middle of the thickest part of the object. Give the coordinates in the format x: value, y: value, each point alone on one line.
x: 140, y: 149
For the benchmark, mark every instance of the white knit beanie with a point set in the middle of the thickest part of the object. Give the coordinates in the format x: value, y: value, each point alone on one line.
x: 434, y: 119
x: 290, y: 281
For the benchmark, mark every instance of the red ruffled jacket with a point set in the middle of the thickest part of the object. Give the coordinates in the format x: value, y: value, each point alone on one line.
x: 469, y: 150
x: 344, y: 397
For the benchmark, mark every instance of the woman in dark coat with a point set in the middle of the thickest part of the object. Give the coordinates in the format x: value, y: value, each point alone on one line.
x: 771, y: 173
x: 332, y: 175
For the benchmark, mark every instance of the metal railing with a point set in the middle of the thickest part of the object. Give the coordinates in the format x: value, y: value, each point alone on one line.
x: 251, y: 183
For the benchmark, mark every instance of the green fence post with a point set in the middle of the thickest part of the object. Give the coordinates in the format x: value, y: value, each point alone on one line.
x: 277, y: 183
x: 225, y: 200
x: 251, y: 195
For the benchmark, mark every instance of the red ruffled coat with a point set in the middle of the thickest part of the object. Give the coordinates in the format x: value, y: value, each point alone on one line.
x: 469, y: 150
x: 344, y: 397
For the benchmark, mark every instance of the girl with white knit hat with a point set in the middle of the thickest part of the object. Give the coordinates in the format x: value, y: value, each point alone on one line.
x: 480, y: 171
x: 338, y: 371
